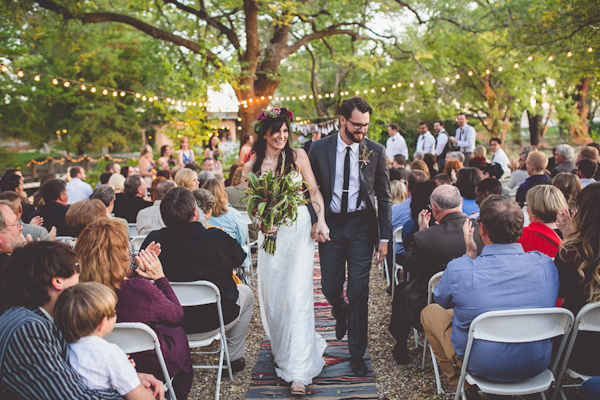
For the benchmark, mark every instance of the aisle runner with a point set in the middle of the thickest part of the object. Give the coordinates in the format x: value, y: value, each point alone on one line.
x: 336, y: 381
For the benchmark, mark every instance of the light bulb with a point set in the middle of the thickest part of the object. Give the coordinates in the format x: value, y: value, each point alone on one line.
x: 115, y: 94
x: 122, y: 94
x: 4, y: 68
x: 530, y: 58
x: 500, y: 68
x: 37, y: 78
x: 137, y: 96
x: 54, y: 81
x: 20, y: 73
x: 470, y: 73
x: 487, y: 71
x: 457, y: 76
x: 569, y: 54
x: 105, y: 92
x: 590, y: 49
x: 83, y: 87
x: 516, y: 65
x: 550, y: 58
x: 93, y: 90
x: 67, y: 84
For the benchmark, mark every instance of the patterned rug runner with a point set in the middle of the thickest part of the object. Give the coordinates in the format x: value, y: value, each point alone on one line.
x: 336, y: 381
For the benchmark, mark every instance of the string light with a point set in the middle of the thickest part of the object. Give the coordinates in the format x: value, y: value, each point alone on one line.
x: 530, y: 58
x: 589, y: 49
x: 487, y: 71
x: 83, y: 87
x: 551, y: 58
x: 105, y: 92
x: 54, y: 81
x: 93, y: 89
x: 569, y: 54
x: 516, y: 65
x: 500, y: 68
x: 457, y: 76
x: 470, y: 73
x: 4, y: 68
x: 20, y: 73
x: 37, y: 78
x: 67, y: 84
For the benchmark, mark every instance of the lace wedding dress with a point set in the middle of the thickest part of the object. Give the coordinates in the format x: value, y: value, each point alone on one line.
x: 285, y: 290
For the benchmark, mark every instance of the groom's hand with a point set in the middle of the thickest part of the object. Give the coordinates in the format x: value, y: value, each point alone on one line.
x: 381, y: 252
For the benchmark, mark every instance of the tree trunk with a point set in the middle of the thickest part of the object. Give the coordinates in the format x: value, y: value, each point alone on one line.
x: 580, y: 127
x: 535, y: 129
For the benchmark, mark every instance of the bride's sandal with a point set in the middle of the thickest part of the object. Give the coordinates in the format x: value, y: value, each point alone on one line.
x: 298, y: 388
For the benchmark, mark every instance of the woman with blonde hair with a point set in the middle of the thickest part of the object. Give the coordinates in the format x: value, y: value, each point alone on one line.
x: 480, y: 151
x: 117, y: 182
x: 82, y: 213
x: 578, y: 264
x: 570, y: 186
x: 103, y: 254
x: 147, y: 164
x: 187, y: 178
x: 398, y: 191
x: 420, y: 165
x: 544, y: 202
x: 185, y: 155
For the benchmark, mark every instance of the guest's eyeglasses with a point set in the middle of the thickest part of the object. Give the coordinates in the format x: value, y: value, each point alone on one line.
x: 360, y: 126
x: 18, y: 224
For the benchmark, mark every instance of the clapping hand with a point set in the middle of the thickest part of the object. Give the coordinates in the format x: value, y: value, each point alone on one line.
x: 469, y: 241
x: 37, y: 221
x: 149, y: 266
x: 423, y: 219
x: 562, y: 221
x: 153, y: 248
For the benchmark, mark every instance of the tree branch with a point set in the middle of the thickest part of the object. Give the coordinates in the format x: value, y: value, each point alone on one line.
x: 416, y: 14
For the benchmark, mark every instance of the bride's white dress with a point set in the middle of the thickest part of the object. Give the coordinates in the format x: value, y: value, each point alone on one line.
x: 285, y: 290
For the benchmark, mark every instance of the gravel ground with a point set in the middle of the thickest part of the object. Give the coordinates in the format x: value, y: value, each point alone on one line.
x: 393, y: 381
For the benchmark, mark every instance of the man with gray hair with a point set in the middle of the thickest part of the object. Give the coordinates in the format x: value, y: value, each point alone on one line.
x: 563, y: 156
x: 149, y: 219
x: 433, y: 248
x: 10, y: 231
x: 13, y: 200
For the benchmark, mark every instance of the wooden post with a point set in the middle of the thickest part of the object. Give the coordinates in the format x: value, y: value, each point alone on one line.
x: 86, y: 164
x: 34, y: 170
x: 50, y: 166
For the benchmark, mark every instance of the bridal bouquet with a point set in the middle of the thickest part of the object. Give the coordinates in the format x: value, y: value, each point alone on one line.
x: 272, y: 201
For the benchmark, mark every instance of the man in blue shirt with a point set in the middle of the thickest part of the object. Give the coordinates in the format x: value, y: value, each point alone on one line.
x: 503, y: 277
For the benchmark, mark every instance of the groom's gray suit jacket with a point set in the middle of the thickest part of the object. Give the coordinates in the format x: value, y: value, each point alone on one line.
x: 374, y: 179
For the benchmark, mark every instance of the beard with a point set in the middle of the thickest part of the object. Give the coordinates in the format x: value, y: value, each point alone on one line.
x: 355, y: 137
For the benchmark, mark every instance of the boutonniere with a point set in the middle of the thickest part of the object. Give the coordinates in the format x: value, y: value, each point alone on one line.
x: 364, y: 157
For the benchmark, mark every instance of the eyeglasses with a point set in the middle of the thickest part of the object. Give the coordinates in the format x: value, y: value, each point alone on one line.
x: 18, y: 224
x: 360, y: 126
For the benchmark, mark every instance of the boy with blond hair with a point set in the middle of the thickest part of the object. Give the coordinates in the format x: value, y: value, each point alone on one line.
x: 85, y: 314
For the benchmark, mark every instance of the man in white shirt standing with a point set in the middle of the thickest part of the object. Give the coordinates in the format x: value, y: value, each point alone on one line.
x: 465, y: 137
x: 395, y: 144
x: 77, y: 189
x: 500, y: 156
x: 442, y: 144
x: 426, y: 141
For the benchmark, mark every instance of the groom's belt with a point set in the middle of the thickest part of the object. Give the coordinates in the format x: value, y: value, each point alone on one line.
x: 356, y: 213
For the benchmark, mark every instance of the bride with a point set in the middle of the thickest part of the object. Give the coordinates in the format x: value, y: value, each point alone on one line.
x: 285, y: 279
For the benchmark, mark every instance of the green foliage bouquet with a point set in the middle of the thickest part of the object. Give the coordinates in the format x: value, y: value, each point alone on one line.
x: 272, y: 201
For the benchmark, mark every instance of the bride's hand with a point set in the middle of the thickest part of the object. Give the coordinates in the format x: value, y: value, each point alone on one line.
x: 321, y: 232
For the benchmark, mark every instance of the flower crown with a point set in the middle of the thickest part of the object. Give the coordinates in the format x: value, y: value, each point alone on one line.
x: 274, y: 113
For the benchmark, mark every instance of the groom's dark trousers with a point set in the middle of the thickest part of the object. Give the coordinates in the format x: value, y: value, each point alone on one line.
x: 351, y: 242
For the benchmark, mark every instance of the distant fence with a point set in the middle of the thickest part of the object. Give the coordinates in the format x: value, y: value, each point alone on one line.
x: 57, y: 165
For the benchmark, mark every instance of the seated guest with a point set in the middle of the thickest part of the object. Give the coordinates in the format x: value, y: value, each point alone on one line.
x: 85, y: 314
x: 126, y: 171
x: 401, y: 214
x: 419, y: 202
x: 149, y: 219
x: 103, y: 253
x: 418, y: 155
x: 492, y: 170
x: 35, y: 232
x: 564, y: 157
x: 106, y: 195
x: 232, y: 170
x: 204, y: 176
x: 77, y: 188
x: 133, y: 200
x: 590, y: 151
x: 398, y: 192
x: 536, y: 167
x: 33, y: 353
x: 586, y: 170
x: 543, y: 204
x: 165, y: 174
x: 117, y: 182
x: 187, y: 178
x: 590, y: 389
x: 429, y: 160
x: 477, y: 162
x: 155, y: 182
x: 480, y: 151
x: 15, y: 183
x: 205, y: 202
x: 235, y: 191
x: 504, y: 277
x: 421, y: 166
x: 54, y: 193
x: 226, y: 217
x: 10, y: 231
x: 190, y: 252
x: 519, y: 171
x: 398, y: 170
x: 466, y: 181
x: 500, y: 156
x: 38, y: 201
x: 82, y: 213
x: 455, y: 155
x: 442, y: 179
x: 433, y: 247
x: 577, y: 264
x: 570, y: 186
x: 485, y: 189
x: 452, y: 167
x: 104, y: 177
x: 110, y: 169
x: 208, y: 164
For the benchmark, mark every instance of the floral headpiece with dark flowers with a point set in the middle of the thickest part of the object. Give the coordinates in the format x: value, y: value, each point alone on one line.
x: 275, y: 113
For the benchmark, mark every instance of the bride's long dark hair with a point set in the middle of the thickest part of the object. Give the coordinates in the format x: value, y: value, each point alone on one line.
x: 267, y: 127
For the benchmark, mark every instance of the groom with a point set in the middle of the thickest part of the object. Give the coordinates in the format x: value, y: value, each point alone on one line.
x: 350, y: 171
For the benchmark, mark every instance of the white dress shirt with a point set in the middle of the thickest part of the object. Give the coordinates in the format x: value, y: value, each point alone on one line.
x: 441, y: 142
x: 466, y: 138
x: 354, y: 184
x: 501, y: 158
x: 587, y: 181
x: 396, y: 145
x: 103, y: 365
x: 78, y: 190
x: 426, y: 143
x: 149, y: 219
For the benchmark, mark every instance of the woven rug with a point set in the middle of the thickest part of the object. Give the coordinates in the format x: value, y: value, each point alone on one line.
x: 336, y: 381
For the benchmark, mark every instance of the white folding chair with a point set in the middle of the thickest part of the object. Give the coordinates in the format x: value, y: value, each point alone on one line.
x: 248, y: 247
x: 393, y: 280
x: 433, y: 282
x: 516, y: 326
x: 133, y: 337
x: 66, y: 239
x: 137, y: 241
x: 133, y: 232
x: 588, y: 319
x: 196, y: 294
